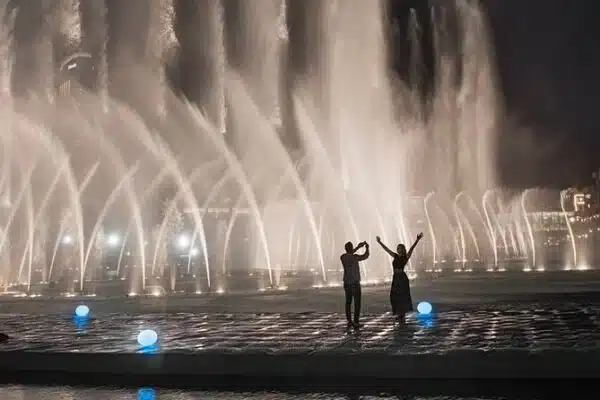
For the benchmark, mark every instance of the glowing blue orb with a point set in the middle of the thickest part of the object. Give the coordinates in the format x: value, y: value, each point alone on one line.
x: 147, y: 394
x: 424, y: 308
x: 82, y: 311
x: 147, y: 338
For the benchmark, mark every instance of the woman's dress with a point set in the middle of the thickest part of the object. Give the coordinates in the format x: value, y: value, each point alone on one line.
x: 400, y: 297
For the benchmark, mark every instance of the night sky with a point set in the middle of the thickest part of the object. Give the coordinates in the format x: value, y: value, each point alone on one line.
x: 549, y: 60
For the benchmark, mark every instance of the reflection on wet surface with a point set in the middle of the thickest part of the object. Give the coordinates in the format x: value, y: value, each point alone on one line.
x: 531, y: 327
x: 66, y: 393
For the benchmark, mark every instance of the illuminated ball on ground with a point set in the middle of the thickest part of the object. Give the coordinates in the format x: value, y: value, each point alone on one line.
x: 424, y: 308
x: 147, y: 394
x: 82, y: 311
x: 147, y: 338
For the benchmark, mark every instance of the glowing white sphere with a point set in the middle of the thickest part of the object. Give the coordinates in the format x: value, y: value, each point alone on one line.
x: 424, y: 308
x: 82, y: 311
x: 147, y: 338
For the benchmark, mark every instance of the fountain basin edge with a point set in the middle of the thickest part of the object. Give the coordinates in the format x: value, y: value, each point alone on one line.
x: 255, y: 370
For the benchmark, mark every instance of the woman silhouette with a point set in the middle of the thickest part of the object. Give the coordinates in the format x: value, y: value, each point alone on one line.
x: 400, y: 297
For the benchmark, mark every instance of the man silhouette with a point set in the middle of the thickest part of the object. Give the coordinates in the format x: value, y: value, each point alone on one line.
x: 352, y: 287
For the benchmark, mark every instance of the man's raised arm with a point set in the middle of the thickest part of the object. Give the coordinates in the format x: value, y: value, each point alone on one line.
x: 365, y: 255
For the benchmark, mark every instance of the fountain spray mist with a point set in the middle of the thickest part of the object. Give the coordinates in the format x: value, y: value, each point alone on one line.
x: 372, y: 149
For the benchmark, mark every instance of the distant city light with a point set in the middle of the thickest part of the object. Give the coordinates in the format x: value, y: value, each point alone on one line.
x: 194, y: 252
x: 67, y: 239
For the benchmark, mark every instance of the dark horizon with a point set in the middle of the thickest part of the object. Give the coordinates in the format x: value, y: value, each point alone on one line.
x: 547, y: 63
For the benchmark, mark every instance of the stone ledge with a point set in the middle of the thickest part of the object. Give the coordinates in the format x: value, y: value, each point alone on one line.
x: 456, y: 374
x: 362, y: 365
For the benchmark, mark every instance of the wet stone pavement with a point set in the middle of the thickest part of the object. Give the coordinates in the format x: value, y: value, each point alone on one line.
x: 531, y: 327
x: 61, y: 393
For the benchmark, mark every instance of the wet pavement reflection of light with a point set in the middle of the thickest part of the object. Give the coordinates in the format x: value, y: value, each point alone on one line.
x: 531, y: 327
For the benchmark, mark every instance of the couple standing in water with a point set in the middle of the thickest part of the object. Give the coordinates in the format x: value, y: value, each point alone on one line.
x: 400, y: 297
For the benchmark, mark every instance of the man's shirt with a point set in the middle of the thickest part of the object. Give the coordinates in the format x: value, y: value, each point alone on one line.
x: 351, y: 268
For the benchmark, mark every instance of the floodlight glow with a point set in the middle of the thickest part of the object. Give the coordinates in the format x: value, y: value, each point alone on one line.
x: 82, y: 311
x: 147, y: 338
x: 424, y: 308
x: 113, y: 240
x: 68, y: 239
x: 183, y: 241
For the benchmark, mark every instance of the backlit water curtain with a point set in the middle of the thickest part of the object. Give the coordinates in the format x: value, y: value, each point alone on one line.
x: 291, y: 137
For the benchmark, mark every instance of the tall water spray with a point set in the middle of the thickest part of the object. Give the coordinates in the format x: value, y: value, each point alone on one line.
x: 529, y: 229
x: 6, y: 57
x: 32, y: 45
x: 94, y: 37
x: 199, y: 29
x: 371, y: 148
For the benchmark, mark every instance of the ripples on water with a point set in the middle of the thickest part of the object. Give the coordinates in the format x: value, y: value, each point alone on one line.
x: 64, y: 393
x: 531, y: 327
